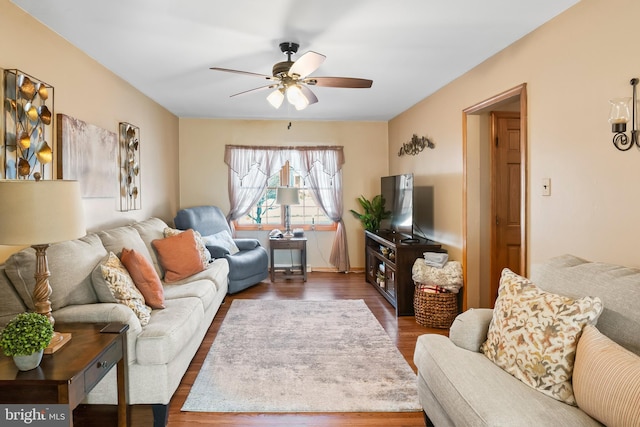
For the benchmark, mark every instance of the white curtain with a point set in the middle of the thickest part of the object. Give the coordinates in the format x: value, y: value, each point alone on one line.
x: 251, y: 166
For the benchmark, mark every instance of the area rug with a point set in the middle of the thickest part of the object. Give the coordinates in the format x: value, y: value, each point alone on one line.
x: 303, y: 356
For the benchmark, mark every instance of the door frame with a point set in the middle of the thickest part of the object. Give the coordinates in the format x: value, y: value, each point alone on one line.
x: 518, y: 92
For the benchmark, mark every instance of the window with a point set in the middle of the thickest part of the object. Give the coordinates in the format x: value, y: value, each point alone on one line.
x: 267, y: 214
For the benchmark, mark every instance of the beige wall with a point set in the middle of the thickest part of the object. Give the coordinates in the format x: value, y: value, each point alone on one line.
x: 572, y: 66
x: 87, y: 91
x: 203, y: 173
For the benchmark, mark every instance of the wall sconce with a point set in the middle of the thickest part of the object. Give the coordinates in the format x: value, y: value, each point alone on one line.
x: 619, y: 116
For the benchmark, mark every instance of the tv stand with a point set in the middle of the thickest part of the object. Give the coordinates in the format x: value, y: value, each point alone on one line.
x: 389, y: 258
x: 410, y: 240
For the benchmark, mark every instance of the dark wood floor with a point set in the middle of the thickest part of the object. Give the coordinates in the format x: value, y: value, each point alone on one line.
x: 320, y: 286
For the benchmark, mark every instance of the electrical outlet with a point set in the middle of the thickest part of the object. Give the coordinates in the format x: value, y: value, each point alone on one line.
x: 546, y: 186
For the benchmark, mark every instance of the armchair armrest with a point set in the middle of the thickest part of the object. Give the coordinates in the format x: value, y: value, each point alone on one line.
x: 469, y: 329
x: 247, y: 244
x: 217, y: 251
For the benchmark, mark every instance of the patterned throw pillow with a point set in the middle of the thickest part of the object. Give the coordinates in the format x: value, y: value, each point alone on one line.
x: 533, y: 334
x: 205, y: 255
x: 122, y: 288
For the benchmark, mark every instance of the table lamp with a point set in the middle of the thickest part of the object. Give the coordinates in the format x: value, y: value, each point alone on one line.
x: 286, y: 196
x: 38, y: 213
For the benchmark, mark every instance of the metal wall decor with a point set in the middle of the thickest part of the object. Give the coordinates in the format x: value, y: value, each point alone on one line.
x: 28, y: 129
x: 415, y: 146
x: 129, y: 167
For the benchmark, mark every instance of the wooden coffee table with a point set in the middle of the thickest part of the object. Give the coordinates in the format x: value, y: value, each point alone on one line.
x: 68, y: 375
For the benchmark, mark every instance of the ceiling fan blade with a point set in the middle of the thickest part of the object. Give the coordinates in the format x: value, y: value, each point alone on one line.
x: 271, y: 86
x: 246, y: 73
x: 311, y: 97
x: 306, y: 64
x: 346, y: 82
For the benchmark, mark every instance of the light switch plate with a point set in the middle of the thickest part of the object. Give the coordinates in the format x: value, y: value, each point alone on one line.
x: 546, y: 186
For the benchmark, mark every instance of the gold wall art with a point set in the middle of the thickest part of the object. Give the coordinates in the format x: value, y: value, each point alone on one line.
x: 130, y: 196
x: 88, y: 154
x: 415, y: 146
x: 28, y: 128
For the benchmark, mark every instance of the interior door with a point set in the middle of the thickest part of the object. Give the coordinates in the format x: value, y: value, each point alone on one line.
x: 506, y: 168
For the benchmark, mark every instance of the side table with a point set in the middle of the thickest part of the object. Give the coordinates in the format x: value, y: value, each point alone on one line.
x: 294, y: 243
x: 67, y: 376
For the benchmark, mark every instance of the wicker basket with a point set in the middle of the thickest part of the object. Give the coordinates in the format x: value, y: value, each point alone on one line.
x: 434, y: 310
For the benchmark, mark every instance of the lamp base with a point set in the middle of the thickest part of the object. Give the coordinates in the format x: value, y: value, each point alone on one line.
x: 57, y: 342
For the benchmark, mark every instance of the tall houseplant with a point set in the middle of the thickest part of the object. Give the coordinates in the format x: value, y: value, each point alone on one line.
x: 374, y: 212
x: 25, y: 337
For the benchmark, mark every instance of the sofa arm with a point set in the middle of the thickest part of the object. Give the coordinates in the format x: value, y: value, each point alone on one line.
x: 246, y: 244
x: 104, y: 313
x: 98, y: 313
x: 469, y: 329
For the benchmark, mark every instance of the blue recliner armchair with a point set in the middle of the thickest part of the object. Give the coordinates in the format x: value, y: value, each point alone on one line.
x: 247, y: 267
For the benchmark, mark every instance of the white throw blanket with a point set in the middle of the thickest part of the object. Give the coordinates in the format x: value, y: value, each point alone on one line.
x: 436, y: 259
x: 448, y: 277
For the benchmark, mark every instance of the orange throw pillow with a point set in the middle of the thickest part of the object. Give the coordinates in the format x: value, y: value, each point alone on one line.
x: 178, y: 256
x: 144, y: 277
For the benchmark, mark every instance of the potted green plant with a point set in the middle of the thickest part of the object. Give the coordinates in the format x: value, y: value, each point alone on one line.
x: 374, y: 212
x: 25, y: 337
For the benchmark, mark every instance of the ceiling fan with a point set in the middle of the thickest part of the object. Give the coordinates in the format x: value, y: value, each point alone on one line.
x: 291, y: 79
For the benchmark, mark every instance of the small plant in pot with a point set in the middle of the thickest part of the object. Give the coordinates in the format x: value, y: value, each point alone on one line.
x: 374, y: 212
x: 25, y: 337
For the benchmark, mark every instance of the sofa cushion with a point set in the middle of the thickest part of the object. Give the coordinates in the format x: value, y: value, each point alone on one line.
x: 117, y: 282
x: 169, y: 331
x: 124, y: 237
x: 144, y: 277
x: 205, y: 255
x: 70, y: 264
x: 10, y: 302
x: 178, y: 256
x: 150, y: 230
x: 606, y: 380
x: 616, y: 285
x: 475, y: 392
x: 203, y: 289
x: 534, y: 334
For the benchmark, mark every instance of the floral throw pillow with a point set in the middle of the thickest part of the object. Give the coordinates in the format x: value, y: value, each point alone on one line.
x: 534, y: 334
x: 121, y: 286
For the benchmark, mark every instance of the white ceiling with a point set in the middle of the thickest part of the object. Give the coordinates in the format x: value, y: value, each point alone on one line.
x: 409, y: 48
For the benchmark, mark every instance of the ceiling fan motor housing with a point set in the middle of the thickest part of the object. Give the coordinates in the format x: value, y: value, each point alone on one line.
x: 282, y: 68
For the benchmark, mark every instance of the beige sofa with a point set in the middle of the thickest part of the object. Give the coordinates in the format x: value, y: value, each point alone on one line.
x: 158, y: 353
x: 459, y: 386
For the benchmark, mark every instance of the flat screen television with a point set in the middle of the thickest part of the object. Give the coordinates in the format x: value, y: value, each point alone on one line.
x: 411, y: 207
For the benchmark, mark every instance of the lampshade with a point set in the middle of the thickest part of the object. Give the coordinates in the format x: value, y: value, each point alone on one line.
x: 40, y: 212
x: 619, y: 111
x: 275, y: 98
x: 296, y: 97
x: 287, y: 196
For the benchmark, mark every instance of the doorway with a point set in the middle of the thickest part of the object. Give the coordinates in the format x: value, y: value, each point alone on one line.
x: 485, y: 252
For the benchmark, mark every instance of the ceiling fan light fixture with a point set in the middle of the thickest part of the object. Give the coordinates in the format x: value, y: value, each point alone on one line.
x: 276, y: 97
x: 296, y: 97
